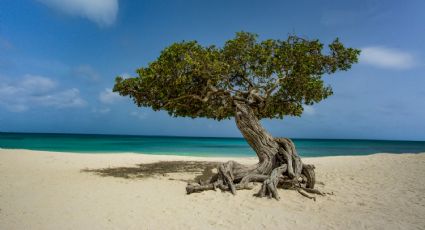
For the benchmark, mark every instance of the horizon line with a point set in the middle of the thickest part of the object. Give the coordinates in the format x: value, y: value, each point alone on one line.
x: 184, y: 136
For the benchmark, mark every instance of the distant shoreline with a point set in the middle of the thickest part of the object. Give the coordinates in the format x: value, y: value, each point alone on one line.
x: 199, y: 157
x: 203, y: 137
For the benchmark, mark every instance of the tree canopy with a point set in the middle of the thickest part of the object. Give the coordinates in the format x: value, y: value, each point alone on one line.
x: 274, y: 77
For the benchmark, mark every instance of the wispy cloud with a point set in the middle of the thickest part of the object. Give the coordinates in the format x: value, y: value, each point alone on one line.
x: 86, y: 71
x: 64, y: 99
x: 36, y: 84
x: 140, y: 115
x: 125, y: 75
x: 369, y: 12
x: 102, y: 12
x: 387, y: 58
x: 35, y: 91
x: 109, y: 97
x: 309, y: 110
x: 103, y: 110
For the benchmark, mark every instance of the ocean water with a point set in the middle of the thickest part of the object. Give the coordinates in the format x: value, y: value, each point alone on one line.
x: 194, y: 146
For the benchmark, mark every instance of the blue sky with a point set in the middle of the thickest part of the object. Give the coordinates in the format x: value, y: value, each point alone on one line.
x: 59, y: 58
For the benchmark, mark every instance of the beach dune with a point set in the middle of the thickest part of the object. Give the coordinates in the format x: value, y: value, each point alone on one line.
x: 49, y: 190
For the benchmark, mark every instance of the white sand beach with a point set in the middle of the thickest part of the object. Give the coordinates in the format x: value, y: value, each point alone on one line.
x: 48, y: 190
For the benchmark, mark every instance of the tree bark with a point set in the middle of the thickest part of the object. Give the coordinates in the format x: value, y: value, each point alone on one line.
x: 279, y: 163
x: 257, y: 137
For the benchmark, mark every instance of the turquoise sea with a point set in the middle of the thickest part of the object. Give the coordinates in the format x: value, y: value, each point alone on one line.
x: 194, y: 146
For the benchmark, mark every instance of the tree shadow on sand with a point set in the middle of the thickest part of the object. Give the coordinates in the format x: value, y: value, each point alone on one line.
x: 203, y: 170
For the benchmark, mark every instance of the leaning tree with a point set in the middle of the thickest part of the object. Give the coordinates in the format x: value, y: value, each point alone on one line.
x: 249, y: 80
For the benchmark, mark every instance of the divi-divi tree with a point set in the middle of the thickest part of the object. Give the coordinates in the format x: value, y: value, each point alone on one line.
x: 248, y: 80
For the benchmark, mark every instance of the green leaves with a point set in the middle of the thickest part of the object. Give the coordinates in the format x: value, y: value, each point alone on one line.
x: 275, y: 77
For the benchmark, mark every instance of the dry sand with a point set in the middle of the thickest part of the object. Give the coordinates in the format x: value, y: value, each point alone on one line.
x: 45, y: 190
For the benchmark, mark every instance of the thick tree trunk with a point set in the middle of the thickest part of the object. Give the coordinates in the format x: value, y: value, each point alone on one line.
x: 279, y: 163
x: 257, y: 137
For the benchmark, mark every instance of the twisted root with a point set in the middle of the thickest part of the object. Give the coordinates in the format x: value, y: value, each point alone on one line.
x: 288, y: 172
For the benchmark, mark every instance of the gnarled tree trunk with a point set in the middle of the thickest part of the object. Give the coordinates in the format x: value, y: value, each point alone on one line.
x: 257, y: 137
x: 279, y: 163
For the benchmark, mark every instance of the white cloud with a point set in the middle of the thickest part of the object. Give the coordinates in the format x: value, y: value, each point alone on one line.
x: 309, y: 110
x: 86, y: 71
x: 139, y: 115
x: 104, y: 110
x: 125, y: 75
x: 37, y: 84
x: 101, y: 110
x: 65, y: 99
x: 386, y: 58
x: 37, y: 91
x: 102, y: 12
x: 16, y: 108
x: 109, y: 97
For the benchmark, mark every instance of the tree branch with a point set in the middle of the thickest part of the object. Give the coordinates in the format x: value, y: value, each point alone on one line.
x: 238, y: 98
x: 274, y: 86
x: 212, y: 90
x: 245, y: 78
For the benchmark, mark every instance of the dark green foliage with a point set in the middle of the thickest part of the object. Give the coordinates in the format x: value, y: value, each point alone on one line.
x: 274, y: 77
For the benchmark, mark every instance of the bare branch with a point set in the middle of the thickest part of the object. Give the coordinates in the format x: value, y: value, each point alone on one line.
x: 273, y: 88
x: 212, y: 90
x: 245, y: 78
x: 238, y: 98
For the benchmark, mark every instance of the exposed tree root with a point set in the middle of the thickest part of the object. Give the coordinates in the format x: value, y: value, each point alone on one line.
x: 301, y: 191
x: 288, y: 173
x: 279, y: 164
x: 269, y: 187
